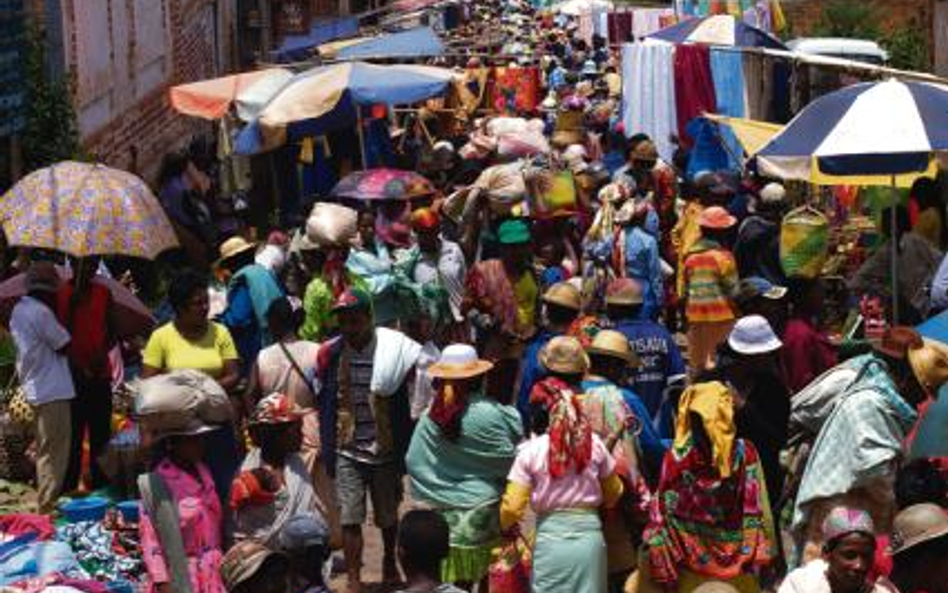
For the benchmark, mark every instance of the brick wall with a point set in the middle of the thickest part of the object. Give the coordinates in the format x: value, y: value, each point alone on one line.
x: 805, y: 15
x: 142, y: 130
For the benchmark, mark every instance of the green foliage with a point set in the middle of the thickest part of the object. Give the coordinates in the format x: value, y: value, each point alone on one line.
x: 50, y: 133
x: 848, y: 18
x: 908, y: 49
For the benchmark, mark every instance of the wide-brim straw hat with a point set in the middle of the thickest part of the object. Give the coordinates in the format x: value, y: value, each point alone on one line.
x: 565, y: 355
x: 917, y: 525
x: 564, y: 294
x: 930, y: 364
x: 615, y: 345
x: 459, y: 361
x: 235, y: 246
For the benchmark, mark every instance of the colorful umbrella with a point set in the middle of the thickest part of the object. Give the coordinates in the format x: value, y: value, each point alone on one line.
x: 719, y: 29
x: 86, y: 209
x: 213, y: 98
x: 383, y: 184
x: 131, y: 316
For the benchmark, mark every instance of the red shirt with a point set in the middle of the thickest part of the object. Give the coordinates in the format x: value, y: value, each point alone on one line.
x: 87, y: 323
x: 806, y: 353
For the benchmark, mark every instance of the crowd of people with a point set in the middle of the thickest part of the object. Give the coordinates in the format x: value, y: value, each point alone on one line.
x: 634, y: 388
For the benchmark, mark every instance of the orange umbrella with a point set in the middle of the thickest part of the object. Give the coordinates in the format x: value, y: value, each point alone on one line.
x: 212, y: 98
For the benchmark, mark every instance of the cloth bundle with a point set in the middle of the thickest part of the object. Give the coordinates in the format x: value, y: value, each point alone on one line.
x: 331, y: 225
x: 172, y: 401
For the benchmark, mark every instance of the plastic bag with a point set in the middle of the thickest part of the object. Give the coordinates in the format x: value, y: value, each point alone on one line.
x: 804, y: 242
x: 511, y: 569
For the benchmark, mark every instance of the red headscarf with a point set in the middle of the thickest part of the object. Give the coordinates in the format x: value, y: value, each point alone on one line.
x: 569, y: 430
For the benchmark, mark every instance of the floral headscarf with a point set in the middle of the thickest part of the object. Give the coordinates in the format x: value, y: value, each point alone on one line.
x: 276, y: 408
x: 570, y: 432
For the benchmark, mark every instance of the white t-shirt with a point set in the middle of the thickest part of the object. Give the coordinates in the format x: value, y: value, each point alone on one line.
x: 38, y: 335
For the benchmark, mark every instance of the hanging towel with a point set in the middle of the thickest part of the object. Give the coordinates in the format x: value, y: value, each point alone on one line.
x: 727, y: 71
x: 694, y: 87
x: 648, y: 90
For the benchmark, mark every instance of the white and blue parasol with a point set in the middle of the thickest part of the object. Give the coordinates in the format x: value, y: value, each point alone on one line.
x: 719, y: 29
x: 880, y: 129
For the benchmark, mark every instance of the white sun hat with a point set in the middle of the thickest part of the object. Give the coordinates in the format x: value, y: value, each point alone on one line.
x: 753, y: 335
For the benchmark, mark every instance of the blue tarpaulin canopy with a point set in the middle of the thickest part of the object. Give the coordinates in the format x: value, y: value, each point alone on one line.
x: 324, y: 98
x: 298, y: 47
x: 421, y: 42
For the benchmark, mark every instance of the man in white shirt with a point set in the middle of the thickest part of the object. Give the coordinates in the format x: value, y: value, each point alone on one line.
x: 41, y: 363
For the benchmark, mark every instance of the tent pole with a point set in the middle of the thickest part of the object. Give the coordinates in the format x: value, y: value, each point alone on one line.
x: 894, y: 238
x: 361, y: 133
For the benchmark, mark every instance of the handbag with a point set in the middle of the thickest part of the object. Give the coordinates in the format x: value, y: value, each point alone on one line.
x: 510, y: 571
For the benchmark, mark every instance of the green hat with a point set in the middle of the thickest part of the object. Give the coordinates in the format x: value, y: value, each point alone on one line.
x: 514, y: 232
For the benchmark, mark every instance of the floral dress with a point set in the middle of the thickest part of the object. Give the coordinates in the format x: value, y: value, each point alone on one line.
x: 201, y: 520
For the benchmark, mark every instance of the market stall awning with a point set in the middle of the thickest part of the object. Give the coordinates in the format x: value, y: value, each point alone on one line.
x: 723, y: 30
x: 752, y: 134
x: 578, y: 7
x: 213, y: 98
x: 863, y: 134
x: 421, y: 42
x: 325, y: 98
x: 299, y: 47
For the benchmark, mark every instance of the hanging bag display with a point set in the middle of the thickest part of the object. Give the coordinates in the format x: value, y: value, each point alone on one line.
x: 804, y: 242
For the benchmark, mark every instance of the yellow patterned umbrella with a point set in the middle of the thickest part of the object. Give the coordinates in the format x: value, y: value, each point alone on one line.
x: 86, y: 209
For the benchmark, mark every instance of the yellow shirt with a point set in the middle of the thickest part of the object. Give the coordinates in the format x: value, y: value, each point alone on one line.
x: 168, y: 350
x: 525, y: 293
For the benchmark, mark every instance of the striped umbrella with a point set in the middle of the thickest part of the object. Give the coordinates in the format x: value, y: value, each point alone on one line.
x: 719, y: 29
x: 874, y: 131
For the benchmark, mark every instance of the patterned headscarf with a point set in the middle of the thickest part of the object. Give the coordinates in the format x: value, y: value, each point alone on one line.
x: 843, y: 521
x: 276, y: 408
x: 570, y: 432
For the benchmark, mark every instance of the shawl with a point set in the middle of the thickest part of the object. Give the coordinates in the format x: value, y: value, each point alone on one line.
x: 859, y: 441
x: 471, y: 470
x: 492, y: 292
x: 264, y: 523
x: 263, y: 288
x: 716, y: 527
x: 376, y: 270
x: 569, y: 430
x: 713, y: 402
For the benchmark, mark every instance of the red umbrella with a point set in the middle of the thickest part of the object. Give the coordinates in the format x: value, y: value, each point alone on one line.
x: 132, y: 317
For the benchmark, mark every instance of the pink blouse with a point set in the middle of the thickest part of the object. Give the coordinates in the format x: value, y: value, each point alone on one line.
x: 568, y: 492
x: 201, y: 521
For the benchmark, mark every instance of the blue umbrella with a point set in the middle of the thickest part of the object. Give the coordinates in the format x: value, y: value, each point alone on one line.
x: 421, y: 42
x: 718, y: 30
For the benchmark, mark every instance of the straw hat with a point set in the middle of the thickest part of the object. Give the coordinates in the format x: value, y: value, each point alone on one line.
x: 235, y: 246
x: 716, y: 217
x: 459, y: 361
x: 564, y: 354
x: 916, y: 525
x: 242, y: 562
x: 930, y: 364
x: 614, y: 344
x: 563, y: 294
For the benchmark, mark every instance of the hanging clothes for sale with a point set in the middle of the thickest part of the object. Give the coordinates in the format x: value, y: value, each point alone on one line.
x: 516, y: 89
x: 648, y: 89
x: 727, y: 71
x: 758, y: 84
x: 694, y: 87
x: 619, y: 26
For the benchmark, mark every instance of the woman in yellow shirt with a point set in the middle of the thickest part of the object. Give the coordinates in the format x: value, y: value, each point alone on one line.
x: 192, y: 341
